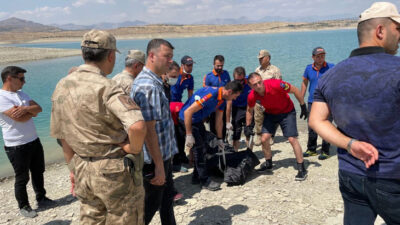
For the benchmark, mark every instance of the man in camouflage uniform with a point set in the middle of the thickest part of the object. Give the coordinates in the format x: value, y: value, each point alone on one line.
x: 267, y: 71
x: 98, y: 125
x: 134, y: 63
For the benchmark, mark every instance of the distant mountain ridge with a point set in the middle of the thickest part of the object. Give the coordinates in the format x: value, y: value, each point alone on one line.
x: 104, y: 25
x: 20, y: 25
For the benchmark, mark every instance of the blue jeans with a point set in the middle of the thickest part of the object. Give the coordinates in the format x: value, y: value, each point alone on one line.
x: 364, y: 198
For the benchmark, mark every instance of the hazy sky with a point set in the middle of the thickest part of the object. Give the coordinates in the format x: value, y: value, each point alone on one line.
x: 87, y: 12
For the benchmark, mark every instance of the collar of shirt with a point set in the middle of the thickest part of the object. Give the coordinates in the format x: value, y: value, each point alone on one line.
x: 316, y: 69
x: 184, y: 76
x: 126, y: 72
x: 266, y: 68
x: 367, y: 51
x: 90, y: 68
x: 152, y: 75
x: 215, y: 72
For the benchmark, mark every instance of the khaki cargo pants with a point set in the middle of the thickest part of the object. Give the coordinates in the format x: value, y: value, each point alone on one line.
x: 258, y: 118
x: 107, y: 192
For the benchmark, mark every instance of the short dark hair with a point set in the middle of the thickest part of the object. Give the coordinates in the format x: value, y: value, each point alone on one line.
x: 12, y: 71
x: 175, y: 65
x: 239, y: 70
x: 94, y: 54
x: 364, y: 28
x: 235, y: 86
x: 156, y: 43
x: 219, y: 58
x: 252, y: 75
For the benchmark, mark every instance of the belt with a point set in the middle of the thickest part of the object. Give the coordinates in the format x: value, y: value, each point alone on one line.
x: 93, y: 159
x: 22, y: 146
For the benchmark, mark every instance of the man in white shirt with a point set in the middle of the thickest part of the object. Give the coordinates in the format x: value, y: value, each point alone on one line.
x: 21, y: 142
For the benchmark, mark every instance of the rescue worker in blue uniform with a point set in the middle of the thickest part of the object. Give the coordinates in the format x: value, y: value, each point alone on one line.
x: 185, y: 80
x: 204, y: 102
x: 217, y: 78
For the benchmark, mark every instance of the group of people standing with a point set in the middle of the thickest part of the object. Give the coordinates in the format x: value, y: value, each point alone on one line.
x: 123, y: 137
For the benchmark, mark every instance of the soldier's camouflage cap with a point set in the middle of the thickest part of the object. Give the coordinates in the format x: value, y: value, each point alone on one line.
x: 99, y: 39
x: 136, y: 54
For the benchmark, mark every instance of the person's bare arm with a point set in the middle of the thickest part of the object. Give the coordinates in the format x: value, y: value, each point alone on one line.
x: 249, y: 115
x: 136, y: 134
x: 294, y: 90
x: 228, y: 111
x: 11, y: 113
x: 67, y: 150
x: 188, y: 116
x: 304, y: 85
x: 218, y: 122
x: 319, y: 123
x: 152, y: 145
x: 33, y: 109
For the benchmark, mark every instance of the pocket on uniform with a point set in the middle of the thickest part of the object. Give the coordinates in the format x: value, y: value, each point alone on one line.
x: 388, y: 194
x: 110, y: 167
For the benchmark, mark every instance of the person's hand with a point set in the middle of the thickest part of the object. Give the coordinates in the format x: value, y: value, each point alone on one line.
x: 364, y: 152
x: 19, y: 111
x: 189, y: 142
x: 220, y: 144
x: 229, y: 126
x: 303, y: 111
x: 248, y: 131
x: 72, y: 179
x: 159, y: 176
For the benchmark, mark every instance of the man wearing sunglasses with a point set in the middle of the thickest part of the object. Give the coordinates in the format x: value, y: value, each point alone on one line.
x: 21, y: 141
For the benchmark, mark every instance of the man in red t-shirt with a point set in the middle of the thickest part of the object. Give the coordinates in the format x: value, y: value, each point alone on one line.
x: 279, y: 109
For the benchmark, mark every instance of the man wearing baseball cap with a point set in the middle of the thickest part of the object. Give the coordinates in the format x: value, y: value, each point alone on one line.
x: 185, y: 80
x: 102, y: 133
x: 266, y: 71
x: 362, y: 93
x: 134, y: 63
x: 312, y: 74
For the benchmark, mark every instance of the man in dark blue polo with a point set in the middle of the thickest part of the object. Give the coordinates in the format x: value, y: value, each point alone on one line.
x: 362, y: 93
x: 185, y: 80
x: 204, y: 102
x: 218, y: 77
x: 312, y: 74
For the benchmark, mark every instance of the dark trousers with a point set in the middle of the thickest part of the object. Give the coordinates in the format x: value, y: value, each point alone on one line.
x: 199, y: 152
x: 25, y: 158
x: 312, y: 138
x: 180, y: 135
x: 364, y: 198
x: 159, y: 197
x: 212, y: 124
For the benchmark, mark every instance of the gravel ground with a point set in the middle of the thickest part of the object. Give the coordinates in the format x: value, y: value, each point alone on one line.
x: 268, y: 198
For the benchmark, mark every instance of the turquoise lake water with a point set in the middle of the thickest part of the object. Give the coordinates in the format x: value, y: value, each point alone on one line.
x: 291, y: 52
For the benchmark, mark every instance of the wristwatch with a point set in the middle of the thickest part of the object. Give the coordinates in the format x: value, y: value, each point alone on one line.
x: 348, y: 148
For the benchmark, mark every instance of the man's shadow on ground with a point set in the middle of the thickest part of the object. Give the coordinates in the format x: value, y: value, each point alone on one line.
x: 66, y: 200
x: 217, y: 214
x: 58, y: 222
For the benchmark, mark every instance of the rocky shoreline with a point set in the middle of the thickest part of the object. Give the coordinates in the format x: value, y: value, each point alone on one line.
x: 267, y: 198
x: 18, y: 54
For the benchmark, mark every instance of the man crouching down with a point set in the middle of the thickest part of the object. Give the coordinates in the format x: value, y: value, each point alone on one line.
x: 198, y: 107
